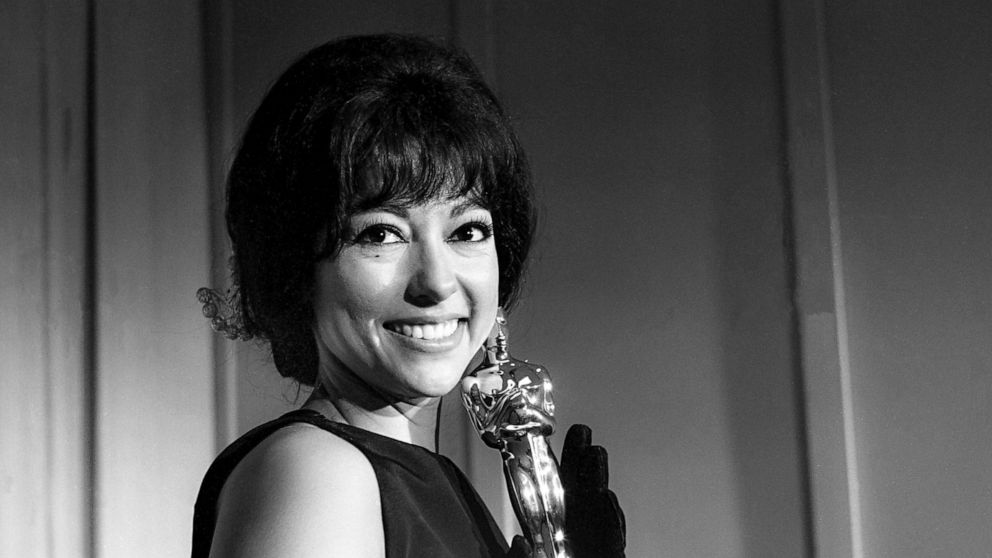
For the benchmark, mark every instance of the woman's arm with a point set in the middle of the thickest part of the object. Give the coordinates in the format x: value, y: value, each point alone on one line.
x: 302, y: 492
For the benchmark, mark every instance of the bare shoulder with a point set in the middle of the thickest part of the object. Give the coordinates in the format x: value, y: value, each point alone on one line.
x: 301, y: 492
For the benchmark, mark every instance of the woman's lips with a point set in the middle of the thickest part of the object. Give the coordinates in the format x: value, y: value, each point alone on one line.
x: 428, y: 331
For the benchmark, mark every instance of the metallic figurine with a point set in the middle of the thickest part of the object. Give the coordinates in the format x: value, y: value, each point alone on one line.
x: 510, y: 403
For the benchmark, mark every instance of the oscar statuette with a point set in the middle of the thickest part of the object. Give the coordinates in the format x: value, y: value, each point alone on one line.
x: 510, y: 403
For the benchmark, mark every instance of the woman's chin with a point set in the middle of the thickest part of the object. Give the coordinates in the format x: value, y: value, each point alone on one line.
x: 429, y: 373
x: 436, y: 383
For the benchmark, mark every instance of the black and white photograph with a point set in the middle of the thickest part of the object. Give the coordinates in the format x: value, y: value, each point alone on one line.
x: 495, y: 279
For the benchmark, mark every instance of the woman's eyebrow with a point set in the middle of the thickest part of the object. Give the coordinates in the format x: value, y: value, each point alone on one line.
x: 396, y: 208
x: 464, y: 206
x: 401, y: 209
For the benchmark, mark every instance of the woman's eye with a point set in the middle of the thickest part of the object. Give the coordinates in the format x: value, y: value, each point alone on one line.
x: 472, y: 232
x: 378, y: 234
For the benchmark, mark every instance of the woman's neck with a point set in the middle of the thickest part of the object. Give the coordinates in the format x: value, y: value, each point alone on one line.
x: 344, y: 398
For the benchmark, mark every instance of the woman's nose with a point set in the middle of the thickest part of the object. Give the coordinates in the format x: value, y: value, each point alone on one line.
x: 432, y: 278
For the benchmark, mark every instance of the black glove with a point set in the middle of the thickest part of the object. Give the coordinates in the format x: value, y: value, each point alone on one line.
x: 594, y: 523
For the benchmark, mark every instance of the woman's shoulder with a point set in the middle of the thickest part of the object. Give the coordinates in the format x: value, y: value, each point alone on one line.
x: 303, y: 452
x: 303, y: 448
x: 301, y: 491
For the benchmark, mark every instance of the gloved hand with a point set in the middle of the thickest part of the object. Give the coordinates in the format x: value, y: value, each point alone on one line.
x: 594, y: 523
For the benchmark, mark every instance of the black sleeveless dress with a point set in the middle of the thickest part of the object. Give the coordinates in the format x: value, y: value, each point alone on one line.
x: 429, y: 509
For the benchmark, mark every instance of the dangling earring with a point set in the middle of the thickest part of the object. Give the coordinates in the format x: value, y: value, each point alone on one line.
x: 494, y: 348
x: 501, y: 351
x: 223, y: 318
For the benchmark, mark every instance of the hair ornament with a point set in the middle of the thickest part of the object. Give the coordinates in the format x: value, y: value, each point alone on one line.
x: 223, y: 317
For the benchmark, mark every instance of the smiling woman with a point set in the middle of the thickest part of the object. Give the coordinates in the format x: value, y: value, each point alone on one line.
x: 379, y: 211
x: 407, y: 300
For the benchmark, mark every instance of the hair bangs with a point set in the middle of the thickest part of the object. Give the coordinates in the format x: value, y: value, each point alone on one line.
x: 413, y: 151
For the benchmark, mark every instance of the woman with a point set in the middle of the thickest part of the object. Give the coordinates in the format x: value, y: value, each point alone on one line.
x: 379, y: 211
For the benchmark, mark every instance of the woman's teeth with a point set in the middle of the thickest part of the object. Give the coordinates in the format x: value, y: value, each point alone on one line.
x: 425, y: 331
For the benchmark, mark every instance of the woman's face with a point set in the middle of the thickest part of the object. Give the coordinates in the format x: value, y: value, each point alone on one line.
x: 409, y: 298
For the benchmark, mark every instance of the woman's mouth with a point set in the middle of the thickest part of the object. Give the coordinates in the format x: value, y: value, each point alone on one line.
x: 425, y: 331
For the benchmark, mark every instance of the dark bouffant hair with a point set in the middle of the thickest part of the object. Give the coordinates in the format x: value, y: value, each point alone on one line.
x: 352, y: 124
